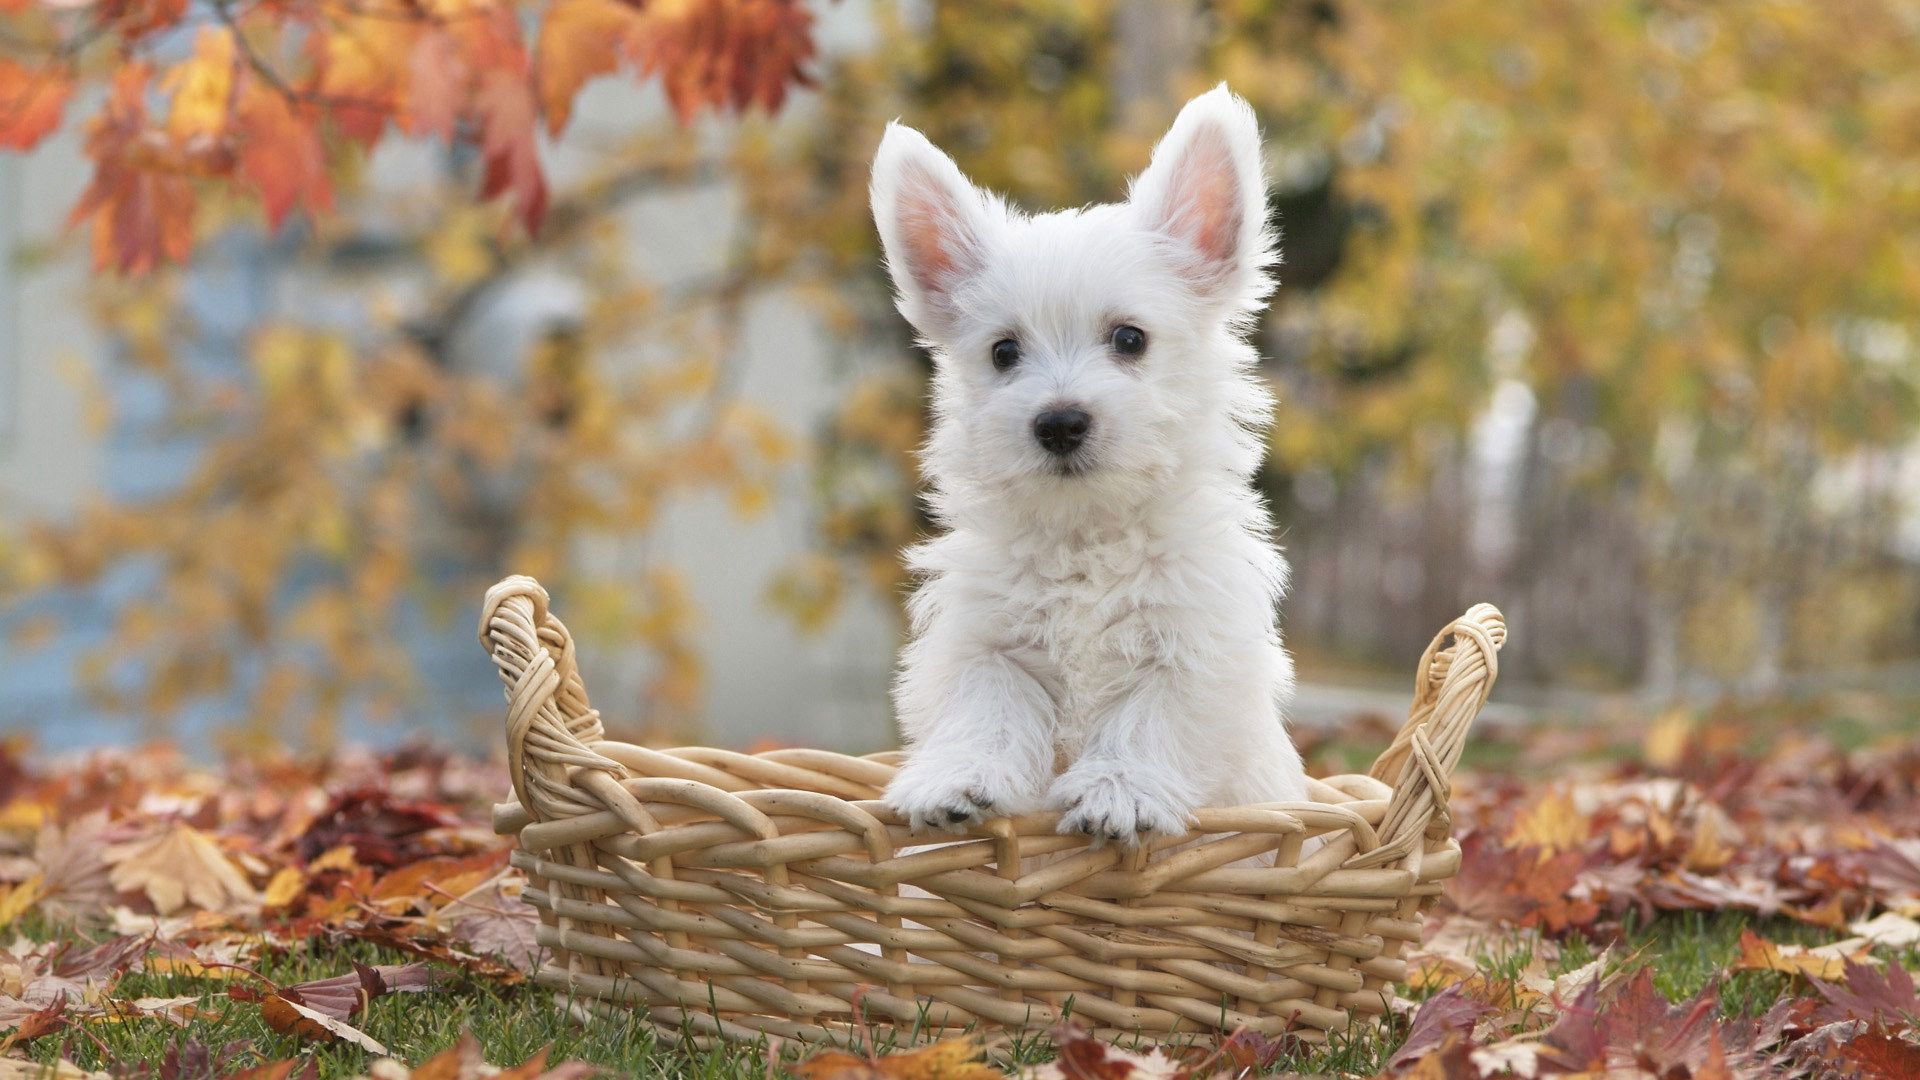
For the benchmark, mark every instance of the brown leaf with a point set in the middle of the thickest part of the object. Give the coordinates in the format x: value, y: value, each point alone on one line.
x: 368, y: 826
x: 40, y: 1022
x: 1874, y: 995
x: 1083, y: 1057
x: 1449, y: 1014
x: 1514, y: 885
x: 1877, y: 1055
x: 99, y: 962
x: 344, y: 995
x: 290, y: 1017
x: 73, y: 869
x: 320, y: 1009
x: 498, y: 923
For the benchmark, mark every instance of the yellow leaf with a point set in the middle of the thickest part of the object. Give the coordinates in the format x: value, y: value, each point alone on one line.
x: 1825, y: 962
x: 457, y: 250
x: 1666, y: 742
x: 285, y: 887
x: 279, y: 354
x: 1552, y: 824
x: 335, y: 858
x: 22, y: 816
x: 1710, y: 851
x: 20, y: 899
x: 202, y: 88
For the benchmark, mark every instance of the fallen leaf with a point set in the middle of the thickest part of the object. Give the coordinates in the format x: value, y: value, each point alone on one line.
x: 463, y: 1061
x: 1877, y: 1055
x: 1551, y: 824
x: 40, y: 1022
x: 1871, y: 994
x: 19, y: 899
x: 290, y: 1017
x: 72, y: 864
x: 288, y: 884
x: 320, y: 1009
x: 180, y: 866
x: 1759, y: 954
x: 1889, y: 930
x: 28, y: 1069
x: 1449, y: 1014
x: 950, y: 1059
x: 1083, y: 1057
x: 1668, y: 738
x: 432, y: 883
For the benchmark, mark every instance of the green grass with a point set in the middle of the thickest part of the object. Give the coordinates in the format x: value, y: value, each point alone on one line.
x: 1686, y: 951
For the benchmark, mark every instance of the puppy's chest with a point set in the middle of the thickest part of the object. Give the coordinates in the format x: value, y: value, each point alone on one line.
x: 1081, y: 628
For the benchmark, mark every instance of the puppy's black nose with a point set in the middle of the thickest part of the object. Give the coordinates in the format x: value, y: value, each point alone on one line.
x: 1061, y: 431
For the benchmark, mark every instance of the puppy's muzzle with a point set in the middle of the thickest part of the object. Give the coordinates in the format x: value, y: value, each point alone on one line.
x: 1061, y: 431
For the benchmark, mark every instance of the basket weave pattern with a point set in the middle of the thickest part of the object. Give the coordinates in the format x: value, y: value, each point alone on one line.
x: 737, y: 895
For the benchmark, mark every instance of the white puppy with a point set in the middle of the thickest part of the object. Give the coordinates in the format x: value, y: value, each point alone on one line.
x: 1095, y: 631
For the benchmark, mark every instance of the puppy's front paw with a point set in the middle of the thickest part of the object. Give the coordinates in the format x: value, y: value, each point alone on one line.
x: 936, y: 793
x: 1104, y: 802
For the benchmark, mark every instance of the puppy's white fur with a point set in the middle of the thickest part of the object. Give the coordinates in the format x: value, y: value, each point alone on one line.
x: 1098, y: 635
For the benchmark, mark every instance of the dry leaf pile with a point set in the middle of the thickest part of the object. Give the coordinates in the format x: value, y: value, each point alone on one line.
x: 125, y: 862
x: 136, y: 861
x: 1695, y: 821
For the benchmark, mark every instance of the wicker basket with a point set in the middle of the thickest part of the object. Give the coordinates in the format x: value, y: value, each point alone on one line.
x: 738, y: 895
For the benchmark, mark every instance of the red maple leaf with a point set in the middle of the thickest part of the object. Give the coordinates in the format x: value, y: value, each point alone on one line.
x: 511, y: 159
x: 280, y: 154
x: 727, y: 53
x: 32, y: 100
x: 1877, y: 1055
x: 140, y: 200
x: 1514, y: 885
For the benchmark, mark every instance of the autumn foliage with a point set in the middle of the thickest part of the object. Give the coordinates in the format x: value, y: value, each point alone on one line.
x: 1549, y: 956
x: 278, y: 97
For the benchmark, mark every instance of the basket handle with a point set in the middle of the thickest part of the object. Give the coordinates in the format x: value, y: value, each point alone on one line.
x: 1456, y: 675
x: 551, y: 727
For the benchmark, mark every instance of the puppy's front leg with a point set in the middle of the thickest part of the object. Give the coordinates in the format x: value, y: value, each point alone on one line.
x: 980, y: 729
x: 1143, y: 769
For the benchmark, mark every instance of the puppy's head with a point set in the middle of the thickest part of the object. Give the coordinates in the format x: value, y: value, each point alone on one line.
x: 1086, y: 355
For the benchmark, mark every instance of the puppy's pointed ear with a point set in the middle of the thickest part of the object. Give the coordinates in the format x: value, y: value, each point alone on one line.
x: 933, y: 224
x: 1206, y: 190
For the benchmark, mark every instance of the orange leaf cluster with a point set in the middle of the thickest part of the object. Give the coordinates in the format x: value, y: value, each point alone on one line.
x: 273, y: 98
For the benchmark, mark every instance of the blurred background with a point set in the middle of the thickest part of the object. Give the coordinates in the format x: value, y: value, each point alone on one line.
x: 1604, y: 312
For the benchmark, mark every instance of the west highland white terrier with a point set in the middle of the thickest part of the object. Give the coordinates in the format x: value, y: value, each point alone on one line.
x: 1095, y: 630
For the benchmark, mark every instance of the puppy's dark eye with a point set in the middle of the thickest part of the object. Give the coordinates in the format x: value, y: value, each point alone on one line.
x: 1006, y: 353
x: 1129, y: 340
